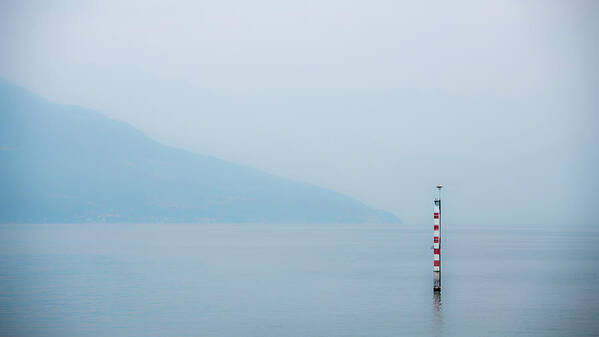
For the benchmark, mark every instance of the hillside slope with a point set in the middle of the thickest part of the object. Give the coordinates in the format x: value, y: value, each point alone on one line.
x: 68, y: 164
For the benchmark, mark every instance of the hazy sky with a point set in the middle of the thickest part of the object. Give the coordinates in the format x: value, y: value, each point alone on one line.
x: 380, y: 100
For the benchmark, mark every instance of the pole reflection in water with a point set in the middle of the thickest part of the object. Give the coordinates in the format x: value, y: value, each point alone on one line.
x: 438, y: 313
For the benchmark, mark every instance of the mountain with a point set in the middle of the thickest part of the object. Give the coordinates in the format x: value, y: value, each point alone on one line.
x: 67, y: 164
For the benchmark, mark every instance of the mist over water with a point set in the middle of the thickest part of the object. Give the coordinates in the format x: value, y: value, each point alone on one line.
x: 292, y: 280
x: 298, y: 111
x: 378, y: 100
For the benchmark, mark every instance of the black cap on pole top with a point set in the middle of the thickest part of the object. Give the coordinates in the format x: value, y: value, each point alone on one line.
x: 439, y: 186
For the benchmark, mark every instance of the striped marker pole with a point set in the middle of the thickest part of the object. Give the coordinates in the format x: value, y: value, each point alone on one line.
x: 437, y: 242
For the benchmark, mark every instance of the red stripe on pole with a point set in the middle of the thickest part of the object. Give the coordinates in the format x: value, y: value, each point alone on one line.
x: 436, y: 263
x: 436, y: 215
x: 436, y: 227
x: 436, y: 252
x: 436, y: 240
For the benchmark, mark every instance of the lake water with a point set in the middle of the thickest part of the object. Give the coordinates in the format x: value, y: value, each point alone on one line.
x: 292, y: 280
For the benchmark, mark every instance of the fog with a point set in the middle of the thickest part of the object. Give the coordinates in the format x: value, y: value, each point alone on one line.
x: 379, y: 100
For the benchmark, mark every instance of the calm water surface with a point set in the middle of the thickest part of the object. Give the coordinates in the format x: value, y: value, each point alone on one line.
x: 283, y: 280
